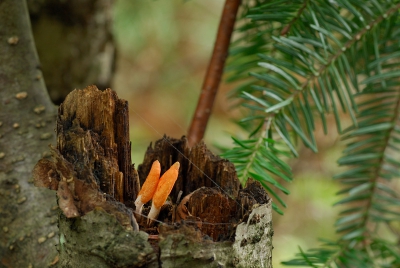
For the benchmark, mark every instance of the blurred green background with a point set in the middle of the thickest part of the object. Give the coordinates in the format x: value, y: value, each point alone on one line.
x: 163, y: 51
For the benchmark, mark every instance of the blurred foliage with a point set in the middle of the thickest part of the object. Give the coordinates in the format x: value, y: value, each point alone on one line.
x: 163, y: 50
x: 305, y: 60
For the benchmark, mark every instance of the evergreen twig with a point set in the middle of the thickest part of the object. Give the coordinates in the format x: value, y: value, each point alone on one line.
x: 302, y: 60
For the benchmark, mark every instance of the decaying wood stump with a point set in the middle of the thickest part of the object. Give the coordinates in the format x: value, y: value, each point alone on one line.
x: 208, y: 221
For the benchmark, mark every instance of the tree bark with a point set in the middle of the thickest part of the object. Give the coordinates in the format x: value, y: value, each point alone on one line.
x: 96, y: 187
x: 28, y: 221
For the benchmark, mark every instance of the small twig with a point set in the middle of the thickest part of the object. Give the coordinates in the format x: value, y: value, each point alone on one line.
x: 286, y: 29
x: 214, y: 72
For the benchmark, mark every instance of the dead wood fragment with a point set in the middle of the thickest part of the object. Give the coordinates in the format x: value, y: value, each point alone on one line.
x: 66, y: 200
x: 209, y: 170
x: 253, y: 194
x: 216, y: 212
x: 92, y: 179
x: 98, y: 121
x: 214, y: 202
x: 199, y: 166
x: 181, y: 212
x: 91, y: 166
x: 167, y: 151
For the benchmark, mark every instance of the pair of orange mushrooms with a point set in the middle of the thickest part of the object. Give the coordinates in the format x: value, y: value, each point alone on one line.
x: 156, y: 188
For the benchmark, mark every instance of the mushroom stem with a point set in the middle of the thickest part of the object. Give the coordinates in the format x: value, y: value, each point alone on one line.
x: 149, y: 187
x: 139, y: 205
x: 153, y: 214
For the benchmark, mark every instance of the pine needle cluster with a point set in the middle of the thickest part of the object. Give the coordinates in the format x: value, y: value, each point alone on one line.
x: 303, y: 60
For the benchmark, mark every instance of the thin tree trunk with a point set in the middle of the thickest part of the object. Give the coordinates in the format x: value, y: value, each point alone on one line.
x: 74, y: 42
x: 28, y: 221
x: 214, y: 73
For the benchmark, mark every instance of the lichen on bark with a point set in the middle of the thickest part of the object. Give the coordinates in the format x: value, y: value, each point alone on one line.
x: 98, y: 239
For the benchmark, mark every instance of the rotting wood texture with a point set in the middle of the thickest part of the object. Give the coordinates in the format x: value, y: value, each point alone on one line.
x: 91, y: 165
x: 96, y: 185
x: 199, y: 166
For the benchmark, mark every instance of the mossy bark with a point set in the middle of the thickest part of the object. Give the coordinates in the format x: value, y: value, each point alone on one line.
x: 99, y: 240
x: 221, y: 226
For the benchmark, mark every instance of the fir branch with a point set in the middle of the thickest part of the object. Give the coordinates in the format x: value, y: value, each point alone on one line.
x: 356, y: 37
x: 251, y: 159
x: 328, y: 48
x: 286, y: 29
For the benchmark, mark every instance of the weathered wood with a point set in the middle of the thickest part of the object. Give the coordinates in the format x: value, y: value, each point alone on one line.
x: 209, y: 170
x: 214, y: 213
x: 253, y: 194
x: 199, y: 167
x: 93, y: 131
x: 96, y: 185
x: 167, y: 151
x: 91, y: 166
x: 77, y: 196
x: 214, y: 202
x: 183, y: 246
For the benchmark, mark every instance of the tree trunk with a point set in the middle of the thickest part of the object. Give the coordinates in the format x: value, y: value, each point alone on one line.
x: 28, y: 220
x: 216, y: 224
x: 74, y: 42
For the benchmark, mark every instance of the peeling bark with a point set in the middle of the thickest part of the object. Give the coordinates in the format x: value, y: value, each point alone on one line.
x: 252, y: 247
x: 98, y: 240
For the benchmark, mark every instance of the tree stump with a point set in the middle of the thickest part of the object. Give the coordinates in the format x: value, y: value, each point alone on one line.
x: 208, y: 220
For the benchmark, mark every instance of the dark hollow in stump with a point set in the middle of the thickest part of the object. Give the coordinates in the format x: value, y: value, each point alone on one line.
x: 208, y: 220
